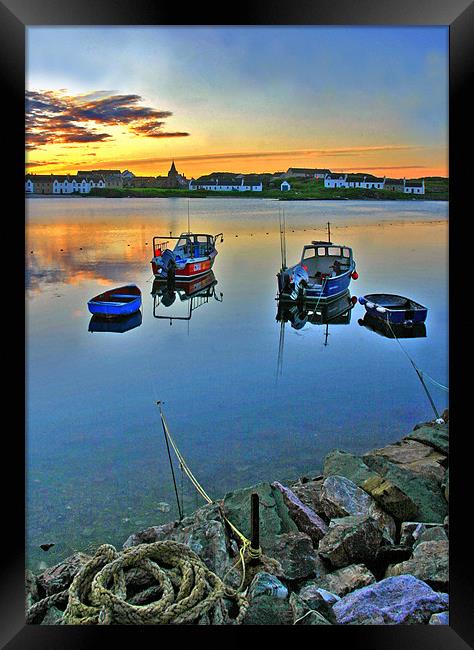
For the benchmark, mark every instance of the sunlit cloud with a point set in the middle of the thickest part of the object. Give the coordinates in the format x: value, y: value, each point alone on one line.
x: 54, y: 117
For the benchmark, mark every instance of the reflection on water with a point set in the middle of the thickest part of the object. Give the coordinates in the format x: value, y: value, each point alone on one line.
x: 193, y: 293
x: 392, y: 330
x: 119, y: 325
x: 96, y: 458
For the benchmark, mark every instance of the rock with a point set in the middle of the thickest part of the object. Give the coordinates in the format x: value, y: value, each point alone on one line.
x: 274, y: 515
x: 342, y: 463
x: 431, y: 534
x: 349, y: 578
x: 152, y: 534
x: 306, y: 520
x: 204, y: 532
x: 60, y: 576
x: 268, y: 603
x: 423, y: 494
x: 305, y: 615
x: 340, y: 497
x: 267, y: 584
x: 311, y: 593
x: 411, y: 531
x: 53, y: 616
x: 430, y: 563
x: 439, y: 619
x: 436, y: 436
x: 397, y: 600
x: 390, y: 498
x: 415, y: 456
x: 351, y: 540
x: 310, y: 494
x: 295, y: 553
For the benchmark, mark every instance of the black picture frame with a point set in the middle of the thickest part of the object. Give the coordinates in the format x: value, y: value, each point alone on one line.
x: 15, y: 17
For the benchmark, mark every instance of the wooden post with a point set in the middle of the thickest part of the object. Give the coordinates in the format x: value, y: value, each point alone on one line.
x: 254, y: 523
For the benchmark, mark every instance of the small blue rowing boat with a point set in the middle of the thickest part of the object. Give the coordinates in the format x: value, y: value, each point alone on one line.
x: 398, y: 310
x: 121, y: 301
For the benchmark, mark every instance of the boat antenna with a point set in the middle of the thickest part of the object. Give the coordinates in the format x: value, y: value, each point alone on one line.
x: 171, y: 462
x: 329, y: 231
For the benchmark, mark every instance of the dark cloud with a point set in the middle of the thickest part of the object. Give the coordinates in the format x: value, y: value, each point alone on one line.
x: 54, y: 117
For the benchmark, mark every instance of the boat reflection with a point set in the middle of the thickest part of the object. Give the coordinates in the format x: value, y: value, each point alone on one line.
x: 120, y: 324
x: 315, y: 312
x: 392, y: 330
x: 193, y: 293
x: 335, y: 312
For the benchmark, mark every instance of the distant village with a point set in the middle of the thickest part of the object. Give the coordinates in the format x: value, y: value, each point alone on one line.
x: 84, y: 181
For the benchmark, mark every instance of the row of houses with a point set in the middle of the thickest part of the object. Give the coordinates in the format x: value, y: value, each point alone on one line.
x: 370, y: 182
x: 228, y: 183
x: 84, y: 181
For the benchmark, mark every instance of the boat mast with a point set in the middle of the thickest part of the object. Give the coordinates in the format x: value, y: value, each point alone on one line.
x: 329, y: 231
x: 282, y: 221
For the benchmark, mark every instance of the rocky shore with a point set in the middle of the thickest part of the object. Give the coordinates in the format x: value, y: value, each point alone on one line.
x: 365, y: 542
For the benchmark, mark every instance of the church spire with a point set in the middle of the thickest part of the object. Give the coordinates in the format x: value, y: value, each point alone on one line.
x: 172, y: 169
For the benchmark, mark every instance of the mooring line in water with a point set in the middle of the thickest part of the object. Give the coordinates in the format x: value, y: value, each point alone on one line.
x: 246, y: 547
x: 418, y: 371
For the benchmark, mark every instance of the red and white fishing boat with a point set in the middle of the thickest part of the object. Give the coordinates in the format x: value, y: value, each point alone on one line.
x: 192, y: 256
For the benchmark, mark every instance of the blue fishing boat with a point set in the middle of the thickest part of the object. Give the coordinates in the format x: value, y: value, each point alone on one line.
x: 397, y: 310
x: 324, y: 272
x: 114, y: 303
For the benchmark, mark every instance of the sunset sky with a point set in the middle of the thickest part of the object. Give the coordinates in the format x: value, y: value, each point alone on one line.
x: 242, y: 99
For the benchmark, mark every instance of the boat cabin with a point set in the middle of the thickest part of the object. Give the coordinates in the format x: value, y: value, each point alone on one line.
x: 188, y: 245
x: 324, y: 259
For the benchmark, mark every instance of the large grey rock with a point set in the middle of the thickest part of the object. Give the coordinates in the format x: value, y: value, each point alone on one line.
x: 415, y: 456
x: 424, y: 493
x: 350, y: 540
x: 60, y: 576
x: 432, y: 534
x: 347, y: 579
x: 340, y: 497
x: 306, y: 520
x: 397, y: 600
x: 342, y: 463
x: 430, y: 563
x: 310, y: 494
x: 295, y: 553
x: 436, y: 436
x: 313, y: 595
x: 274, y: 515
x: 151, y: 534
x: 268, y: 585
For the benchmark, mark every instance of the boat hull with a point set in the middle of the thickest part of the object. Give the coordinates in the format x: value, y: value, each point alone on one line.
x: 331, y: 289
x: 395, y: 309
x: 115, y: 303
x: 192, y: 269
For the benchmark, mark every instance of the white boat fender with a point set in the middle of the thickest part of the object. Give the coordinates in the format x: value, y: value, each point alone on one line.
x: 382, y: 310
x: 370, y: 305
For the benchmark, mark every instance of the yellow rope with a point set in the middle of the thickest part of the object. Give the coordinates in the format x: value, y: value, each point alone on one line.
x: 246, y: 547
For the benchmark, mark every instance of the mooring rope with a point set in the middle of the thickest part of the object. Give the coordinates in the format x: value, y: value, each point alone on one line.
x: 419, y: 372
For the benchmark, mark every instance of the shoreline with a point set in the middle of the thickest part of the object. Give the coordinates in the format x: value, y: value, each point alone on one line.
x: 363, y: 542
x: 223, y: 196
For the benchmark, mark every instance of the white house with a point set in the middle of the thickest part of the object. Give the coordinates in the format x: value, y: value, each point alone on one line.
x: 335, y: 180
x: 29, y: 186
x: 414, y: 187
x: 285, y: 186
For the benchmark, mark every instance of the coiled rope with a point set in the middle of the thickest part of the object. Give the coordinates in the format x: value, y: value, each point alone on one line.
x: 181, y: 589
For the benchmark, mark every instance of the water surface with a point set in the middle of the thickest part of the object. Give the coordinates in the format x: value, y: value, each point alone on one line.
x: 96, y: 458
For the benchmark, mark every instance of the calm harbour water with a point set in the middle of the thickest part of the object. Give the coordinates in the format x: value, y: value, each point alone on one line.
x: 96, y: 459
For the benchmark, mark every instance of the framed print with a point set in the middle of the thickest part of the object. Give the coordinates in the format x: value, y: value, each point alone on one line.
x: 244, y: 317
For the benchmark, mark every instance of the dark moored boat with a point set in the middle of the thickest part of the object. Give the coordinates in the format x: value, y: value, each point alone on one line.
x: 121, y: 301
x: 397, y: 310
